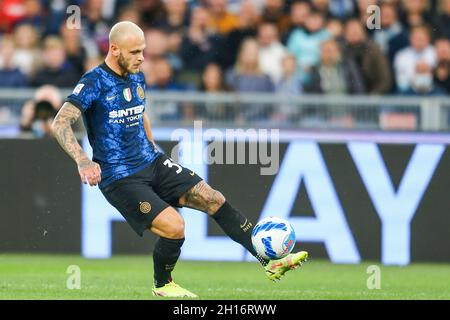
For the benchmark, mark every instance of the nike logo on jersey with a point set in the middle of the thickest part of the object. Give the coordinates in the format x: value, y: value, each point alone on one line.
x: 110, y: 98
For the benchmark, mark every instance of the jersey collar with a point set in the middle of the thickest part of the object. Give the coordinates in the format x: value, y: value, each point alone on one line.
x: 105, y: 67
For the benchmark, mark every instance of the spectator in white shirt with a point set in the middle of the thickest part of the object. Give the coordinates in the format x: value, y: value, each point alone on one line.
x: 26, y: 53
x: 405, y: 61
x: 271, y: 51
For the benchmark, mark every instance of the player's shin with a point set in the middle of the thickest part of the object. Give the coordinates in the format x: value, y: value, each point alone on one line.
x: 165, y: 257
x: 237, y: 227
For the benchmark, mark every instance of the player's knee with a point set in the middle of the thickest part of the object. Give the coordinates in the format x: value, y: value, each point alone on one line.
x: 176, y: 230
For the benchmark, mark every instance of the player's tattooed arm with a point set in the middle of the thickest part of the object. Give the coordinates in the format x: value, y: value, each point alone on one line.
x: 202, y: 197
x: 62, y: 130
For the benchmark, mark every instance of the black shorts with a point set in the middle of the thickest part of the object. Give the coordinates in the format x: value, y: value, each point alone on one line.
x: 141, y: 196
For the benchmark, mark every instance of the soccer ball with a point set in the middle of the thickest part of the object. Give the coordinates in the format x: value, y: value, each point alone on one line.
x: 273, y: 238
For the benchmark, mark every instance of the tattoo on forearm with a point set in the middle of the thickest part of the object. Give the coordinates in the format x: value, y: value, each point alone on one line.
x: 203, y: 197
x: 62, y: 130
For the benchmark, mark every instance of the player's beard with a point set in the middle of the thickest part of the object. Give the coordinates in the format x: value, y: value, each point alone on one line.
x: 123, y: 64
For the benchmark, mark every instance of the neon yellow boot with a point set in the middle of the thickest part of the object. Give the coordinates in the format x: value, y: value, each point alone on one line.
x: 275, y: 269
x: 172, y: 290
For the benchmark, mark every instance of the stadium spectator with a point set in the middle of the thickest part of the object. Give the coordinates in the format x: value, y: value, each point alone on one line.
x: 92, y: 62
x: 38, y: 114
x: 174, y: 41
x: 290, y: 80
x: 33, y: 14
x: 213, y: 82
x: 443, y: 21
x: 74, y: 40
x: 10, y: 74
x: 147, y: 68
x: 321, y: 6
x: 176, y: 18
x: 220, y: 18
x: 336, y: 29
x: 157, y: 44
x: 200, y: 46
x: 164, y: 77
x: 248, y: 21
x: 76, y: 53
x: 26, y: 52
x: 342, y: 9
x: 247, y: 76
x: 302, y: 24
x: 368, y: 57
x: 335, y: 74
x: 422, y: 83
x: 129, y: 13
x: 212, y: 79
x: 271, y: 51
x: 151, y: 11
x: 55, y: 69
x: 56, y: 14
x: 198, y: 3
x: 298, y: 13
x: 415, y: 13
x: 95, y: 26
x: 164, y: 81
x: 11, y: 11
x: 102, y: 10
x: 336, y: 9
x: 174, y: 24
x: 442, y: 71
x: 393, y: 36
x: 405, y: 61
x: 160, y: 47
x: 290, y: 83
x: 234, y: 6
x: 305, y: 43
x: 274, y: 11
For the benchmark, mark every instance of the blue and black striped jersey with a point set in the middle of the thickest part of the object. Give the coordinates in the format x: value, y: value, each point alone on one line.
x: 113, y: 108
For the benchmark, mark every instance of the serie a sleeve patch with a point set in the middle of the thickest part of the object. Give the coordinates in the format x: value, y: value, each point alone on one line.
x: 78, y: 88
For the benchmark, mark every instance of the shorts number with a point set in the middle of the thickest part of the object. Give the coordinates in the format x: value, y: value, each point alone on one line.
x: 170, y: 164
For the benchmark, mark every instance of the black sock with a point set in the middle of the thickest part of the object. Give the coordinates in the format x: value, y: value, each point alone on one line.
x: 165, y: 257
x: 237, y: 227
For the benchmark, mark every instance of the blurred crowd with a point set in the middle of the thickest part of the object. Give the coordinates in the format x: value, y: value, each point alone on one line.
x: 297, y: 46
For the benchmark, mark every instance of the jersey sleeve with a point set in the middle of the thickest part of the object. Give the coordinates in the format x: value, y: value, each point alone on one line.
x: 85, y: 93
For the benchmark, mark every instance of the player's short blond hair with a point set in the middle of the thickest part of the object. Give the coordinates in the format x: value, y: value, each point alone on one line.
x: 124, y: 29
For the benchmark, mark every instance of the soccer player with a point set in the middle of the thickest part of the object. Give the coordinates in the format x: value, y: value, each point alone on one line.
x: 140, y: 181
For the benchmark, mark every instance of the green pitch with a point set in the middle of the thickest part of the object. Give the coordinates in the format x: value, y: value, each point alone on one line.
x: 130, y: 277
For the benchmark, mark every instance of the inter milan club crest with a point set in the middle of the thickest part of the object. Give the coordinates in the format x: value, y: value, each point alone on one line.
x: 127, y: 94
x: 140, y: 92
x: 145, y: 207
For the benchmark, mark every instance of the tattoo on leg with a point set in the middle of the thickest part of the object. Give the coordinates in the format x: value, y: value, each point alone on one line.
x: 202, y: 197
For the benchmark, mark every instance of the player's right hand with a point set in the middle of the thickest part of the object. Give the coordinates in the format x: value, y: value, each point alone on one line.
x: 90, y: 172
